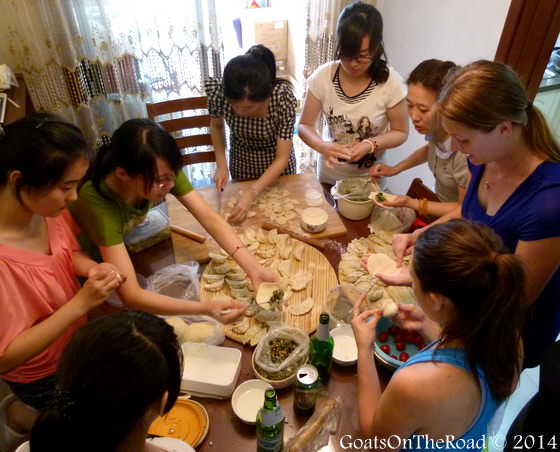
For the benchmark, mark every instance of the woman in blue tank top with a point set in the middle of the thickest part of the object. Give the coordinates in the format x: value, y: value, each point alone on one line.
x: 470, y: 304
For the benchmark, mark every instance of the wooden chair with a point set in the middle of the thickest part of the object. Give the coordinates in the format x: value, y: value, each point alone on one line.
x: 181, y: 127
x: 418, y: 190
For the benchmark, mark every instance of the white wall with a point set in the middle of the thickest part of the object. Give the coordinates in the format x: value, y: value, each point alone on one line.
x: 457, y: 30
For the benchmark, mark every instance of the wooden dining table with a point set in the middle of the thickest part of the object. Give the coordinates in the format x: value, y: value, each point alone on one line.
x: 226, y: 431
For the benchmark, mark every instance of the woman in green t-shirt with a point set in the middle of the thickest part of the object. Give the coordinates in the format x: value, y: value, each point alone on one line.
x: 139, y: 168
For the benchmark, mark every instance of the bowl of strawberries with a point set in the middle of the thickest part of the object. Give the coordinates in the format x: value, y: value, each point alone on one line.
x: 395, y: 345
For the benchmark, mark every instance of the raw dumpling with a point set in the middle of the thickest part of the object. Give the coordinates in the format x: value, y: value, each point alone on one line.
x: 300, y: 280
x: 301, y: 308
x: 284, y: 267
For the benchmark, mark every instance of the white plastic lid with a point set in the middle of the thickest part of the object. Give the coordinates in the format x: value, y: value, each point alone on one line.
x: 313, y: 197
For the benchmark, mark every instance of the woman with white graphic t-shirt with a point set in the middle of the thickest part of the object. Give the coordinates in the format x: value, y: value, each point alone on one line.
x: 362, y: 99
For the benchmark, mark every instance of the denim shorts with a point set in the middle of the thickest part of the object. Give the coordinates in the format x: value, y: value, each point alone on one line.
x: 37, y: 394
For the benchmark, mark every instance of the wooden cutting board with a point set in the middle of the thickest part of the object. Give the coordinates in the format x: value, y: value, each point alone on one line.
x: 322, y: 280
x: 297, y: 185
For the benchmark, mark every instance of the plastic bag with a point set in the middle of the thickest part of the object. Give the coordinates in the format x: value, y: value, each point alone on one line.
x: 267, y: 360
x: 315, y: 433
x: 340, y: 303
x: 7, y: 77
x: 177, y: 281
x: 197, y: 328
x: 395, y: 220
x: 354, y: 188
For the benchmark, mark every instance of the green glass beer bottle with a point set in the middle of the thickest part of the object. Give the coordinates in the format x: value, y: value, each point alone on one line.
x: 321, y: 349
x: 270, y: 424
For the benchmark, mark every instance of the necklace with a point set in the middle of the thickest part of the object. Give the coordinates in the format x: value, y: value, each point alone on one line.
x: 489, y: 183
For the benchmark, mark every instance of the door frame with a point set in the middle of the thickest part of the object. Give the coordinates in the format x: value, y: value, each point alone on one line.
x: 528, y: 37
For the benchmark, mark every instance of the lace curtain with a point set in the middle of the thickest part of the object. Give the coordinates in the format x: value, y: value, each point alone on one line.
x: 96, y: 62
x: 320, y: 42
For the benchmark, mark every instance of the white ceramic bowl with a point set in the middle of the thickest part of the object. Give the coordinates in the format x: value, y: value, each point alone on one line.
x: 247, y: 398
x: 345, y: 350
x: 314, y: 219
x: 354, y: 210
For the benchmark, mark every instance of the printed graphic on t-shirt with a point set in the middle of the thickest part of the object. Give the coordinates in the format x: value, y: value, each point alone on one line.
x: 343, y: 131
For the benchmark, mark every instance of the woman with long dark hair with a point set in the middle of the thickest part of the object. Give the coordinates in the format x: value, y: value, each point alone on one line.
x: 260, y: 110
x: 448, y: 166
x: 139, y: 168
x: 117, y: 374
x: 357, y: 84
x: 42, y: 160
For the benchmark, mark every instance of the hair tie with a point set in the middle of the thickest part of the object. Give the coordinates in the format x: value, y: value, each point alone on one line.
x: 493, y: 257
x: 529, y: 106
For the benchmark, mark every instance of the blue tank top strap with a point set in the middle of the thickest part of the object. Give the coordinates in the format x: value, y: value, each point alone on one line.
x: 456, y: 357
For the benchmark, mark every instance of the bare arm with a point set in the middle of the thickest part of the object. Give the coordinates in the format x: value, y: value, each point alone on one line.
x: 134, y: 297
x: 217, y: 133
x: 279, y: 164
x: 540, y: 260
x: 416, y: 158
x: 435, y: 208
x: 226, y: 237
x: 307, y: 130
x: 34, y: 340
x: 403, y: 243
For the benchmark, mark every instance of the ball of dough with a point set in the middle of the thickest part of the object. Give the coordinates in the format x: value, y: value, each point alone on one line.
x: 179, y: 327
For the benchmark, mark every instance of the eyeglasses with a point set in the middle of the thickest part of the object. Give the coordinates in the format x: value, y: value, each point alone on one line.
x: 164, y: 182
x: 363, y: 59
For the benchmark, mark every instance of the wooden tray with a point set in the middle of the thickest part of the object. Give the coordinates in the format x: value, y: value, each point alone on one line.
x: 323, y: 279
x: 296, y: 185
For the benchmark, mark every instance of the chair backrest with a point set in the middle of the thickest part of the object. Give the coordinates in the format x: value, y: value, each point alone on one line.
x: 418, y: 190
x: 180, y: 126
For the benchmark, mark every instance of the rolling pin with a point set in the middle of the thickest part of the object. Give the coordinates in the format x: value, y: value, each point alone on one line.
x: 188, y: 234
x: 296, y: 235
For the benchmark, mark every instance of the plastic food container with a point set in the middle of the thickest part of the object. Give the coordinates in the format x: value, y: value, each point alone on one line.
x: 210, y: 371
x: 154, y: 229
x: 313, y: 198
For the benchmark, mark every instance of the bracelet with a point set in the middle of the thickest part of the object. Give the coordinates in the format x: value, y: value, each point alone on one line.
x: 372, y: 146
x: 237, y: 248
x: 423, y: 208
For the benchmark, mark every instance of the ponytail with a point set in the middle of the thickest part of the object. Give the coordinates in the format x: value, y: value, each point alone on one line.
x: 537, y: 135
x: 467, y: 263
x: 485, y: 93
